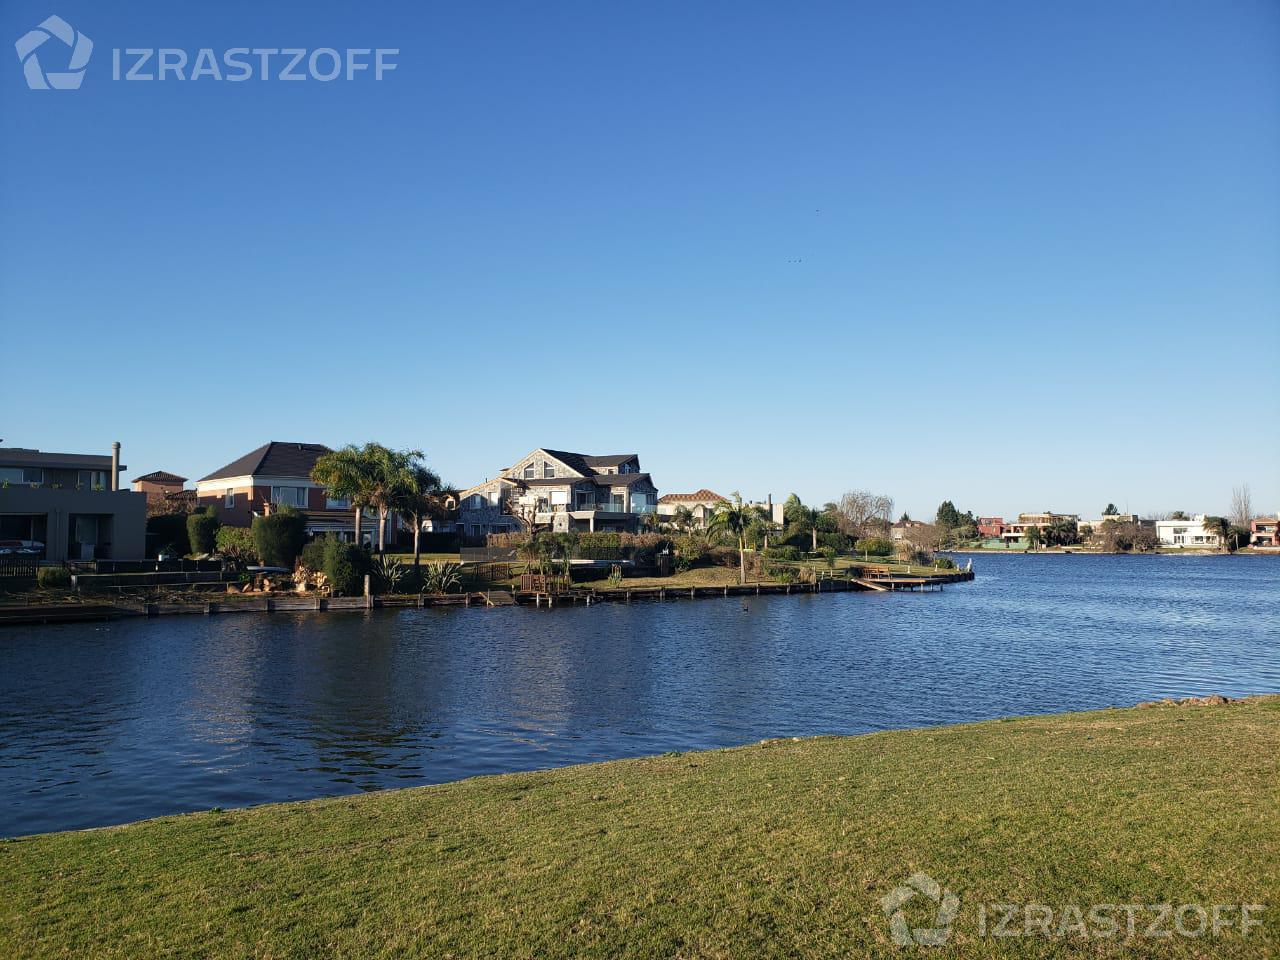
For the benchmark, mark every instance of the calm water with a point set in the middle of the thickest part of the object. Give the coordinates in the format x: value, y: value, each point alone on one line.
x: 108, y: 723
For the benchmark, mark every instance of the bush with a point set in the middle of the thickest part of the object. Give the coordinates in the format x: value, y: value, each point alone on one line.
x: 278, y: 537
x: 839, y: 542
x: 312, y: 556
x: 202, y: 531
x: 53, y: 578
x: 345, y: 565
x: 783, y: 553
x: 235, y: 544
x: 600, y: 546
x: 875, y: 546
x: 945, y: 563
x: 165, y: 531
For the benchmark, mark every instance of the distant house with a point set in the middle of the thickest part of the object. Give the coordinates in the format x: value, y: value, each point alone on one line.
x: 165, y: 493
x: 1185, y: 534
x: 1094, y: 527
x: 560, y: 491
x: 901, y: 531
x: 278, y: 474
x: 69, y: 506
x: 701, y: 504
x: 1264, y: 532
x: 990, y: 527
x: 1017, y: 530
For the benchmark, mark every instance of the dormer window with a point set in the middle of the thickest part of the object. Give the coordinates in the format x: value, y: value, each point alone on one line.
x: 548, y: 471
x: 528, y: 471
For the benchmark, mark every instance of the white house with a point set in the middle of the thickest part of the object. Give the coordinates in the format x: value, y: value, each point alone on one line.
x: 1187, y: 533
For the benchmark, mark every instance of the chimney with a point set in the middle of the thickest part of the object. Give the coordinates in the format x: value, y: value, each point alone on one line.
x: 115, y: 466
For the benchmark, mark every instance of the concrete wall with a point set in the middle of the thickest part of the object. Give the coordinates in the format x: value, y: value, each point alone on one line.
x: 127, y: 508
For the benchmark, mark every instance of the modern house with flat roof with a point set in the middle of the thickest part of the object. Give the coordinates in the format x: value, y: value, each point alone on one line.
x: 1187, y: 534
x: 70, y: 505
x: 1264, y: 532
x: 278, y: 474
x: 560, y: 491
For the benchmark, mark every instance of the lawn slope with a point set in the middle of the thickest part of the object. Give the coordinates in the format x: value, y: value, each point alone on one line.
x: 782, y: 849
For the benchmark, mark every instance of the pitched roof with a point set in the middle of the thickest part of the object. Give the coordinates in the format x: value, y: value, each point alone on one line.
x: 612, y: 460
x: 586, y: 464
x: 619, y: 479
x: 275, y: 459
x: 160, y: 476
x: 702, y: 496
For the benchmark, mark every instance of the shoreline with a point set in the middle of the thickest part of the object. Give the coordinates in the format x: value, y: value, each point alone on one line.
x: 627, y: 857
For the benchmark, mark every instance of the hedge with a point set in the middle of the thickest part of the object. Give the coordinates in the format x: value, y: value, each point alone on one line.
x: 278, y: 537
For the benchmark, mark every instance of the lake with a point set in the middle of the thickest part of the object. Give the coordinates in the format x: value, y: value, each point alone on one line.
x: 113, y: 722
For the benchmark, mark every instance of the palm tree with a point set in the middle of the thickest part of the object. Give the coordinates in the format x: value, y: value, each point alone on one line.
x: 421, y: 495
x: 1033, y: 536
x: 736, y: 519
x: 806, y: 520
x: 1219, y: 527
x: 346, y: 473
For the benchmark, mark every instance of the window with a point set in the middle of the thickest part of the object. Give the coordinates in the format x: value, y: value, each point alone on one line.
x: 548, y: 471
x: 337, y: 503
x: 229, y: 499
x: 21, y: 475
x: 92, y: 479
x: 289, y: 496
x: 528, y: 471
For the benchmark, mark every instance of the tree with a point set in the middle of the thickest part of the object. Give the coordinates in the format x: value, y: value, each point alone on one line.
x: 861, y: 513
x: 1241, y: 506
x: 801, y: 520
x: 736, y: 519
x: 371, y: 475
x: 1111, y: 511
x: 1219, y: 527
x: 1032, y: 533
x: 345, y: 473
x: 420, y: 495
x: 1179, y: 515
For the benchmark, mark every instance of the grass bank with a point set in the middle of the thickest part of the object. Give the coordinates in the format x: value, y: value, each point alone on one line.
x: 782, y: 849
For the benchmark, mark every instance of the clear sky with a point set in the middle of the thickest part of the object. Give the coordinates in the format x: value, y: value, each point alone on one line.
x: 1018, y: 255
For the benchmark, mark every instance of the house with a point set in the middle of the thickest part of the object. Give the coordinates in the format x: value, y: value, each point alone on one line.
x: 990, y: 527
x: 1094, y: 527
x: 1187, y: 533
x: 901, y: 531
x: 1264, y: 532
x: 278, y: 474
x: 1017, y: 530
x: 165, y: 493
x: 70, y: 505
x: 560, y: 491
x: 701, y: 504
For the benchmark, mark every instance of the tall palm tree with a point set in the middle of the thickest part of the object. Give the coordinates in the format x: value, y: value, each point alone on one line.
x: 421, y: 495
x: 806, y: 519
x: 1219, y: 527
x: 346, y: 473
x: 387, y: 470
x: 1034, y: 537
x: 736, y: 519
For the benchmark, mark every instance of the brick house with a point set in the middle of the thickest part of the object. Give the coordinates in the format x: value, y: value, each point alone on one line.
x: 165, y: 493
x: 991, y: 527
x: 278, y: 474
x: 1264, y: 532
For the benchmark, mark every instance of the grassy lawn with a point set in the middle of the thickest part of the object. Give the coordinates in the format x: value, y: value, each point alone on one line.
x: 781, y: 849
x: 407, y: 558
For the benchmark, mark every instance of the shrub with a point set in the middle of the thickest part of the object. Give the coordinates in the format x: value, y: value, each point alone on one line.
x: 53, y: 578
x: 945, y: 563
x: 388, y: 574
x: 278, y: 537
x: 345, y: 565
x: 312, y: 556
x: 839, y: 542
x: 443, y: 578
x: 202, y: 531
x: 783, y: 553
x: 875, y: 546
x: 236, y: 545
x: 168, y: 530
x: 600, y: 546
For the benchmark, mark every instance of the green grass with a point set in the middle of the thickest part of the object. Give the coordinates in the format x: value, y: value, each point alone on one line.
x: 407, y: 558
x: 781, y: 849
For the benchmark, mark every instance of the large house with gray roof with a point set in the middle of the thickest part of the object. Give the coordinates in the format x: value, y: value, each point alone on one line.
x: 278, y: 474
x: 560, y: 491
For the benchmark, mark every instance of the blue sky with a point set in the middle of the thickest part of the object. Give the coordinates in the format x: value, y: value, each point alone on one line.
x: 1021, y: 256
